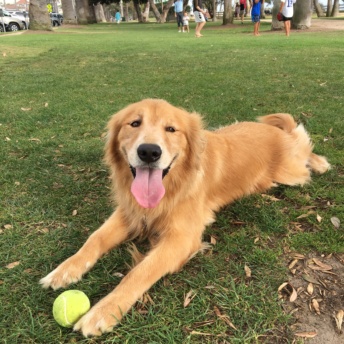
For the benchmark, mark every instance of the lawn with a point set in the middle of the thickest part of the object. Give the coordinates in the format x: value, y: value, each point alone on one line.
x: 58, y: 91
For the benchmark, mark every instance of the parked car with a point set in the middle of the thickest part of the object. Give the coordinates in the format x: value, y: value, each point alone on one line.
x: 10, y: 23
x: 22, y: 15
x: 56, y: 19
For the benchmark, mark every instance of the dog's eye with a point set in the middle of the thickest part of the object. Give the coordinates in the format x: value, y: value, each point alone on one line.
x: 135, y: 124
x: 170, y: 129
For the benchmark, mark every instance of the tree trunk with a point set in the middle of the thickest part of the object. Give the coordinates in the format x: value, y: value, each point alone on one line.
x: 81, y: 11
x: 126, y: 12
x: 166, y: 9
x: 302, y: 15
x: 214, y: 10
x: 145, y: 14
x: 335, y: 9
x: 275, y: 24
x: 329, y: 8
x: 138, y: 11
x: 99, y: 13
x: 227, y: 12
x: 106, y: 9
x: 39, y: 16
x: 91, y: 16
x: 69, y: 15
x: 155, y: 11
x: 318, y: 9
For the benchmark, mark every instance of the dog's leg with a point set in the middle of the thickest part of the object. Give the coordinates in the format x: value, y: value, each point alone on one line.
x: 318, y: 163
x: 166, y: 257
x: 110, y: 234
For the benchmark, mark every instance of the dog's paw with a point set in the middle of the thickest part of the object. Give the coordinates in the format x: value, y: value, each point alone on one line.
x: 100, y: 319
x: 66, y: 273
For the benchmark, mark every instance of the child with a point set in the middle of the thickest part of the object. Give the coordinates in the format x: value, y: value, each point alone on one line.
x: 237, y: 10
x: 255, y: 13
x: 186, y: 23
x: 118, y: 17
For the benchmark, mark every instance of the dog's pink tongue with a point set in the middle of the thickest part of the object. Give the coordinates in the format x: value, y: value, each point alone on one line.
x: 147, y: 187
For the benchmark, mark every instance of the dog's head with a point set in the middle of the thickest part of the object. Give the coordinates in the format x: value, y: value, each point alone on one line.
x: 152, y: 139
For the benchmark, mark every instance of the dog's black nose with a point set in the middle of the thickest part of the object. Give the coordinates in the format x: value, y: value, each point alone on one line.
x: 148, y: 152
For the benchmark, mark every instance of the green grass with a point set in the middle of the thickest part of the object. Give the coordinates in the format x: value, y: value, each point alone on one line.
x: 70, y: 82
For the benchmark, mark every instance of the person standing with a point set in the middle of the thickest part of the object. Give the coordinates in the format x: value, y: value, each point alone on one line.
x: 178, y: 13
x: 287, y: 11
x: 118, y: 17
x: 242, y: 10
x: 255, y: 14
x: 199, y: 17
x: 237, y: 10
x: 186, y: 19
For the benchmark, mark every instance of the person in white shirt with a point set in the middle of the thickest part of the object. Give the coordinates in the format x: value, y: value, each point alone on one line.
x: 287, y: 10
x: 186, y: 19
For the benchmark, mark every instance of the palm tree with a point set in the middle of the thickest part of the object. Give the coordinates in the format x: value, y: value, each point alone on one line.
x: 39, y: 16
x: 69, y: 15
x: 302, y: 15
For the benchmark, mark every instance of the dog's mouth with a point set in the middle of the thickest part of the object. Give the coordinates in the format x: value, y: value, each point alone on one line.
x: 164, y: 171
x: 147, y: 187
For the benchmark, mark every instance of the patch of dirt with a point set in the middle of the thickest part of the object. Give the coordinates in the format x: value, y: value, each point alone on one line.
x: 327, y: 25
x: 319, y: 285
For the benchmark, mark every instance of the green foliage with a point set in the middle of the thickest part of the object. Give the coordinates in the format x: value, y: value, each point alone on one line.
x: 58, y: 91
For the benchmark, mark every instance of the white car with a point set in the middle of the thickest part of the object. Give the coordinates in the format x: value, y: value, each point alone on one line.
x: 9, y: 22
x: 22, y: 15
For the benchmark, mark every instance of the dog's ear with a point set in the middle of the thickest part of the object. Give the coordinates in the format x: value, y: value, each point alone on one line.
x: 114, y: 126
x: 195, y: 138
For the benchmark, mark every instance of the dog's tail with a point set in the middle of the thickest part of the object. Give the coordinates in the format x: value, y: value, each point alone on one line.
x: 283, y: 121
x: 303, y: 142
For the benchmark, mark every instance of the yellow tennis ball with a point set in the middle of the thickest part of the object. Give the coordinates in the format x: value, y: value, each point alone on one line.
x: 69, y: 307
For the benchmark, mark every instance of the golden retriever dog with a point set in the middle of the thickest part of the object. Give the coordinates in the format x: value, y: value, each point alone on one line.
x: 170, y: 176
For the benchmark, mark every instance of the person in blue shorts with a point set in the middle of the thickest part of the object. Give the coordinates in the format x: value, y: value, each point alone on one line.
x: 255, y: 14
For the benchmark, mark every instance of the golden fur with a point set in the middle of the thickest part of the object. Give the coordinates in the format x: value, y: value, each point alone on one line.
x: 207, y: 169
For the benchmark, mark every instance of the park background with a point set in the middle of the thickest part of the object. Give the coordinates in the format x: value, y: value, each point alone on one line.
x: 59, y: 89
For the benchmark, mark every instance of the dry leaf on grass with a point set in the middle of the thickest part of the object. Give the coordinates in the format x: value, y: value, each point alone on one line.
x: 319, y: 218
x: 35, y: 140
x: 319, y: 265
x: 322, y: 265
x: 339, y: 320
x: 315, y: 306
x: 8, y: 226
x: 309, y: 334
x: 212, y: 240
x: 310, y: 279
x: 292, y: 264
x: 298, y: 256
x: 118, y: 274
x: 310, y: 288
x: 248, y: 271
x: 306, y: 215
x: 271, y: 198
x: 189, y: 297
x: 288, y: 289
x: 12, y: 265
x: 307, y: 115
x: 224, y: 317
x: 75, y: 212
x: 335, y: 221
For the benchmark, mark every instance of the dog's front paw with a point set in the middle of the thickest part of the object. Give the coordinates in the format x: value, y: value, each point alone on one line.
x: 100, y: 319
x: 70, y: 271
